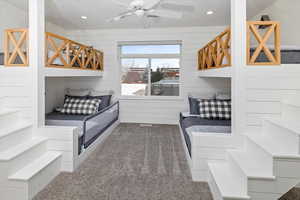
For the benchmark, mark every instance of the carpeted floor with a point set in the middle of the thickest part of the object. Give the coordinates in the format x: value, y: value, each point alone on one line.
x: 134, y: 163
x: 293, y: 194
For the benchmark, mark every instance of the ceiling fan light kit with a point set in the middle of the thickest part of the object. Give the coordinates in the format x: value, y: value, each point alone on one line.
x: 150, y: 9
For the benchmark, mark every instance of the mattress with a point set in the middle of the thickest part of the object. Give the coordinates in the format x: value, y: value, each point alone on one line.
x: 18, y: 60
x: 59, y: 119
x: 194, y: 123
x: 1, y: 58
x: 288, y: 56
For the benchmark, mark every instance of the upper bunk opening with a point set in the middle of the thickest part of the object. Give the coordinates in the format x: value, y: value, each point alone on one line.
x: 282, y: 45
x: 13, y: 34
x: 61, y: 52
x: 271, y: 40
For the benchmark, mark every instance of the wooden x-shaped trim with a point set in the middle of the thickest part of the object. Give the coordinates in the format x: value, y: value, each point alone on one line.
x: 273, y: 27
x: 72, y: 53
x: 17, y: 50
x: 262, y: 43
x: 58, y: 51
x: 214, y: 53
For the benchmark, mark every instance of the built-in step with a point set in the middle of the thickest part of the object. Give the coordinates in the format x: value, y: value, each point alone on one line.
x: 230, y: 185
x: 17, y: 157
x: 8, y: 117
x: 251, y: 165
x: 272, y: 146
x: 14, y: 134
x: 36, y: 175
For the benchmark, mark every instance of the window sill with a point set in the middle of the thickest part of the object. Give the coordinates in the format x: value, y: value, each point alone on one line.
x: 152, y: 98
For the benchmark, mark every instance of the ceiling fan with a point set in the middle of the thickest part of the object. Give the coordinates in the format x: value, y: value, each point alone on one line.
x: 150, y: 9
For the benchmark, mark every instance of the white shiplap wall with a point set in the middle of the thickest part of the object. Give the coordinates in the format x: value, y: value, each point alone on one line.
x: 15, y: 82
x: 266, y: 88
x: 55, y: 92
x: 163, y: 111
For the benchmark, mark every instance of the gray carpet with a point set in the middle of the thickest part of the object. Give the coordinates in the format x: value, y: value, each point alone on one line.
x: 293, y: 194
x: 134, y: 163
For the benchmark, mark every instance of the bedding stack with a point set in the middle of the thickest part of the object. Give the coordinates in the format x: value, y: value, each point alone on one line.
x: 209, y: 113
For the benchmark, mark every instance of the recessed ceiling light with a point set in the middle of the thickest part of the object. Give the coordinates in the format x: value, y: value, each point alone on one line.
x: 210, y: 12
x: 83, y: 17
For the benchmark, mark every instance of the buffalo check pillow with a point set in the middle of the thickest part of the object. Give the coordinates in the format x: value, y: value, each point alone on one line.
x: 215, y: 109
x: 80, y: 106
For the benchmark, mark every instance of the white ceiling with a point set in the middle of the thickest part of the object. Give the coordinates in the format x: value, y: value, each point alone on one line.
x: 67, y: 13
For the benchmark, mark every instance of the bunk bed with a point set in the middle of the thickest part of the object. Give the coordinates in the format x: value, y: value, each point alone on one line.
x: 213, y: 117
x: 61, y: 52
x: 91, y: 126
x: 214, y: 59
x: 205, y: 131
x: 191, y: 123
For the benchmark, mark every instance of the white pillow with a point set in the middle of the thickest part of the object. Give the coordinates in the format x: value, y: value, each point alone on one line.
x: 77, y: 92
x: 223, y: 96
x: 101, y: 93
x: 202, y: 95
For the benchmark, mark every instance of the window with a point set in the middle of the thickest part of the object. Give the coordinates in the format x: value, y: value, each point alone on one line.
x: 150, y: 69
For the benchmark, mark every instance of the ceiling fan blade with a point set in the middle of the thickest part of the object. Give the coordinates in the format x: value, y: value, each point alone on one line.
x: 121, y: 16
x: 187, y: 6
x: 166, y: 14
x: 150, y: 4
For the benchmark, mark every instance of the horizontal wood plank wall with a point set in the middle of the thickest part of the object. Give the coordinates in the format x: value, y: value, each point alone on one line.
x: 15, y: 87
x: 216, y: 53
x: 272, y: 30
x: 266, y: 88
x: 151, y: 111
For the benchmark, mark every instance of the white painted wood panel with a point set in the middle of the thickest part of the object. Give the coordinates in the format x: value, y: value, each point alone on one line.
x: 266, y: 87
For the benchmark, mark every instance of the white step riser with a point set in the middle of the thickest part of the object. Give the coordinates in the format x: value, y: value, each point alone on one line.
x: 240, y: 175
x: 10, y: 193
x: 21, y: 160
x: 279, y: 134
x: 290, y: 113
x: 264, y: 157
x: 2, y: 103
x: 213, y: 187
x: 15, y: 138
x: 280, y: 185
x: 239, y: 172
x: 9, y: 119
x: 264, y: 196
x: 41, y: 180
x: 28, y: 189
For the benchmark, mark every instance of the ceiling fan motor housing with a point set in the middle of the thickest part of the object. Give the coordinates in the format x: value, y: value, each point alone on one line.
x: 137, y: 4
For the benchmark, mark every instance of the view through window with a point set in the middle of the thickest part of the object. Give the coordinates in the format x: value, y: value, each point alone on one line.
x: 150, y: 70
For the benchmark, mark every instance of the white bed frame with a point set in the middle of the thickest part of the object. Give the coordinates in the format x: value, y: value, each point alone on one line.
x: 206, y: 147
x: 65, y: 140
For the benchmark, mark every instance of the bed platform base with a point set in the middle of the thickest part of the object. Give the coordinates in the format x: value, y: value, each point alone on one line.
x: 65, y: 140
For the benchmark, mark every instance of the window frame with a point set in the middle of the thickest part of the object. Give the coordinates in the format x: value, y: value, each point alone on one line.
x: 149, y: 57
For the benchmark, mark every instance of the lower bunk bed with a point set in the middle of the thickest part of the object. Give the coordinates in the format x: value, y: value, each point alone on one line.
x: 204, y: 140
x: 90, y: 127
